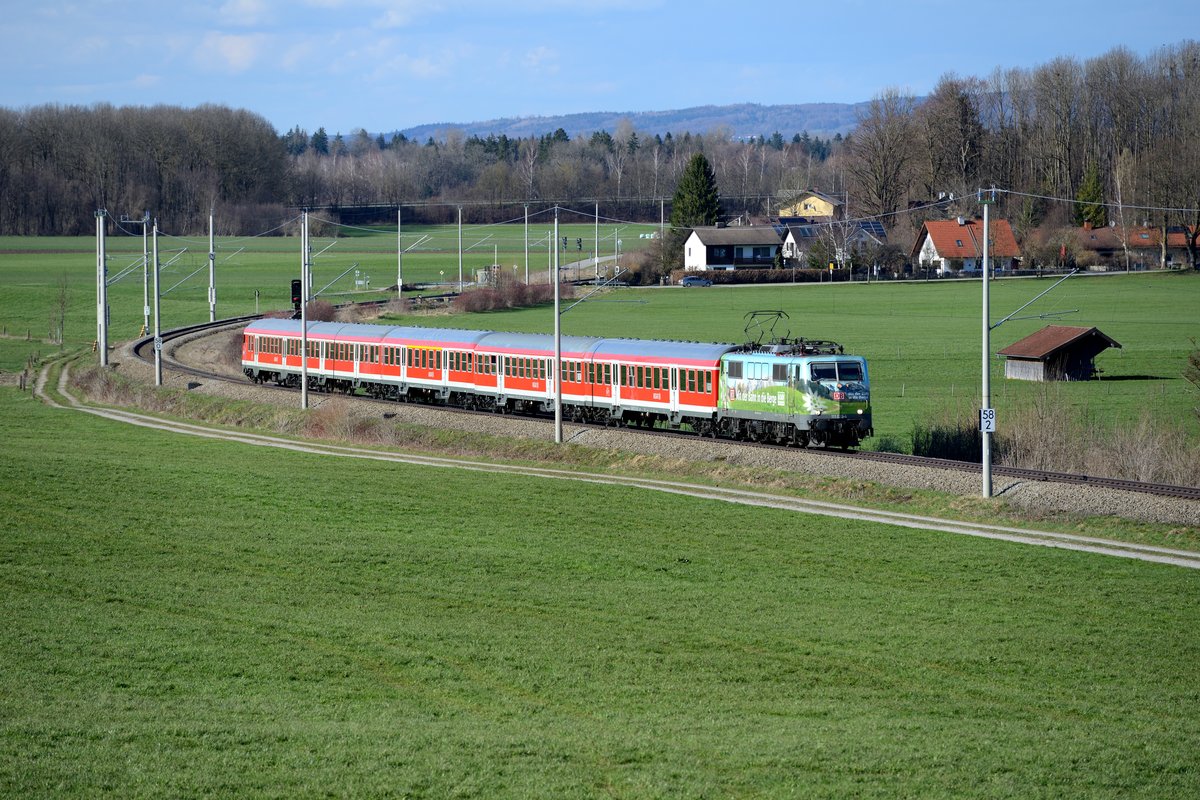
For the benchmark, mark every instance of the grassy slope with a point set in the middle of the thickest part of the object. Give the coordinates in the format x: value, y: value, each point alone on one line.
x: 259, y: 621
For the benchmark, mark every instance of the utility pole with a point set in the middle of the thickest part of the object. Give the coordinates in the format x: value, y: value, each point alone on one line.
x: 305, y: 287
x: 399, y: 254
x: 527, y: 244
x: 556, y: 370
x: 212, y: 271
x: 144, y: 221
x: 157, y: 318
x: 596, y: 251
x: 460, y: 252
x: 987, y: 415
x: 101, y: 288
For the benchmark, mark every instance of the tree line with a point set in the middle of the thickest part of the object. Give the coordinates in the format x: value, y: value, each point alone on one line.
x: 1119, y: 133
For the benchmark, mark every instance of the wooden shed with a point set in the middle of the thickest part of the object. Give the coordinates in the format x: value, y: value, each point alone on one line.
x: 1056, y: 353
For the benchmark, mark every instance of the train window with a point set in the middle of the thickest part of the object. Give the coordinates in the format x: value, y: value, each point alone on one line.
x: 708, y: 382
x: 733, y: 369
x: 607, y: 373
x: 779, y: 372
x: 824, y: 371
x: 849, y: 371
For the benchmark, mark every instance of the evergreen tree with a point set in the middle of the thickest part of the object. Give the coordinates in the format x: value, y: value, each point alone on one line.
x: 295, y: 141
x: 696, y: 203
x: 320, y: 142
x: 1090, y: 207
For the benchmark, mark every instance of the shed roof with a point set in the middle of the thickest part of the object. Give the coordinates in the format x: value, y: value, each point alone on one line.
x: 1052, y: 338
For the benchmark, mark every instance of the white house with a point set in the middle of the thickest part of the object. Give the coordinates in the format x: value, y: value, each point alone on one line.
x: 856, y: 236
x: 948, y: 245
x: 731, y: 248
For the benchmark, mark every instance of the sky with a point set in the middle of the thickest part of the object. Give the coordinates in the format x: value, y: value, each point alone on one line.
x: 387, y: 65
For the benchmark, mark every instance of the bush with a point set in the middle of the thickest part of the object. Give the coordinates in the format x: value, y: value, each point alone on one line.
x: 320, y: 311
x: 510, y: 294
x: 1041, y: 435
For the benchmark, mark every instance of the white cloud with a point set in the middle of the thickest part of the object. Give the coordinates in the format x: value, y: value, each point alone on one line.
x: 541, y: 58
x: 245, y: 12
x: 233, y: 53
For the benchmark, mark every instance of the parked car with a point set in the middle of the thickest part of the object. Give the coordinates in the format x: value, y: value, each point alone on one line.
x: 694, y: 280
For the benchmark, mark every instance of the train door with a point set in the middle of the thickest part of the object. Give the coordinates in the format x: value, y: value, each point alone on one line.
x: 674, y: 379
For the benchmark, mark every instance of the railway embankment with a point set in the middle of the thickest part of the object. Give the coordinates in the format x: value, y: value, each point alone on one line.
x: 214, y: 352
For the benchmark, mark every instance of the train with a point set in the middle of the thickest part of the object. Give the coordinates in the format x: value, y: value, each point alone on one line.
x: 785, y: 391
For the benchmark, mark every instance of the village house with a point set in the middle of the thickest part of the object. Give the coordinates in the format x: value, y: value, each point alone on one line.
x: 731, y: 248
x: 956, y: 245
x: 1108, y: 246
x: 807, y: 206
x: 856, y: 237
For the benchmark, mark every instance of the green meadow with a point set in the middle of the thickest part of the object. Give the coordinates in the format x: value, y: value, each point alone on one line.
x: 922, y: 340
x: 190, y: 617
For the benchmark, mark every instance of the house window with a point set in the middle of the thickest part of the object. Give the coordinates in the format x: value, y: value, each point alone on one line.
x: 958, y: 242
x: 720, y: 252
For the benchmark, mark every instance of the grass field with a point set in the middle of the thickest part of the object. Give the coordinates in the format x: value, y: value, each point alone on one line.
x: 188, y: 617
x: 922, y: 339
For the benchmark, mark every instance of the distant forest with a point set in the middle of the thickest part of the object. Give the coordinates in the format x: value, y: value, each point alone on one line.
x: 1119, y: 133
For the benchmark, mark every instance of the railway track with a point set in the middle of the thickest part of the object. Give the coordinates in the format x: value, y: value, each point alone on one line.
x: 143, y: 349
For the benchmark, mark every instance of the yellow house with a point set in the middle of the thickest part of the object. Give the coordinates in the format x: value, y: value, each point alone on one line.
x: 811, y: 204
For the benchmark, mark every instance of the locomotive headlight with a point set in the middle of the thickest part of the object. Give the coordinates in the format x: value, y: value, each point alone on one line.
x: 860, y: 411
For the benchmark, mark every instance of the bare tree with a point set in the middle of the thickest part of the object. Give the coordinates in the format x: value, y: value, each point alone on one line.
x: 880, y: 153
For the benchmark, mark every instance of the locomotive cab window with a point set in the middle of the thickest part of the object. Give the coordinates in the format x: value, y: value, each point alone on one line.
x: 734, y: 369
x: 849, y: 371
x: 824, y: 371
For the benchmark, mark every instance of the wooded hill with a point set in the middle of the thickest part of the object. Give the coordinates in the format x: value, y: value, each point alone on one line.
x: 1119, y: 132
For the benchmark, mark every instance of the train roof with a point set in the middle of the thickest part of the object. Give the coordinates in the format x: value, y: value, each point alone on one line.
x: 699, y: 353
x: 648, y: 350
x: 536, y: 342
x: 378, y: 334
